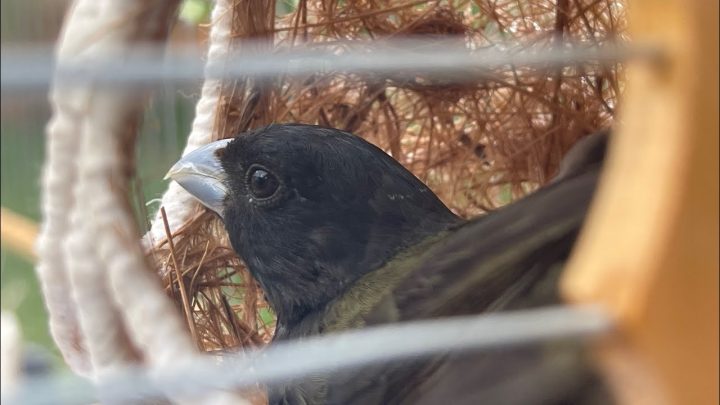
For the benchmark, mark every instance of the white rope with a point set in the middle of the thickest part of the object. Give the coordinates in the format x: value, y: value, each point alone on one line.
x: 10, y: 353
x: 103, y: 266
x: 153, y: 322
x: 101, y: 323
x: 102, y: 327
x: 59, y: 175
x: 178, y: 203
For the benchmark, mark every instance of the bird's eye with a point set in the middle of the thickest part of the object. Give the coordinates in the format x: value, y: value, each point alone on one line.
x: 262, y: 183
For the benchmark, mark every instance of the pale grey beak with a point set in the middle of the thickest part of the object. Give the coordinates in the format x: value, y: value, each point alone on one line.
x: 201, y: 174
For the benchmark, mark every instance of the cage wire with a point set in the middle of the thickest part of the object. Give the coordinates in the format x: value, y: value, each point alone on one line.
x: 377, y: 345
x: 478, y: 140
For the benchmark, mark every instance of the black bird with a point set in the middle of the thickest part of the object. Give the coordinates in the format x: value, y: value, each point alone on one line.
x: 340, y: 235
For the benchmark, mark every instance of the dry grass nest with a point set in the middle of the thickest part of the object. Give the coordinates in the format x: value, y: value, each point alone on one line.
x: 478, y: 144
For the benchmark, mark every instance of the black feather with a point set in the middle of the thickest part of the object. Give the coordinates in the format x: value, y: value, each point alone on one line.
x: 351, y: 239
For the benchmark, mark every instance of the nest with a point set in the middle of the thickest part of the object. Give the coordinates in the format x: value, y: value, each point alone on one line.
x: 478, y: 144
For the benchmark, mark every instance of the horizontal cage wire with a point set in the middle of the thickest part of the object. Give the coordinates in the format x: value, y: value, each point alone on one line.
x: 293, y: 359
x: 28, y: 68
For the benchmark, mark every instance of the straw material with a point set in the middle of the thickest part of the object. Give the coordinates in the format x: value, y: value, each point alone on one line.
x: 478, y: 143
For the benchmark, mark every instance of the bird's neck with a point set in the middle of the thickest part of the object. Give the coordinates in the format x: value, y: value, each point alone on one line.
x: 293, y: 298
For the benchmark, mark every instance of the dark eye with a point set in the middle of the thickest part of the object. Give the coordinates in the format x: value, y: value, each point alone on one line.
x: 262, y: 183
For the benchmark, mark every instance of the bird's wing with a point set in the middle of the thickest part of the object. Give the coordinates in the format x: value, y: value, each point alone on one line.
x: 511, y: 258
x: 494, y: 262
x: 500, y: 260
x: 508, y: 259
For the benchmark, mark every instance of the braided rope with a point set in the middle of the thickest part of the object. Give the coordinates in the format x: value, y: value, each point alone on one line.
x: 105, y: 339
x: 178, y: 204
x: 106, y: 307
x: 59, y: 174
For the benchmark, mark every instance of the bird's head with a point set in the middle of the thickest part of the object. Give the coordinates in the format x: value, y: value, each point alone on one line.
x: 310, y: 209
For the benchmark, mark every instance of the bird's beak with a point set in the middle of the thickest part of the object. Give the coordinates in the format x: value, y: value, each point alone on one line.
x: 201, y: 174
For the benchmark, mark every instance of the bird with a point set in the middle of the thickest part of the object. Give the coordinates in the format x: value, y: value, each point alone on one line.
x: 341, y: 236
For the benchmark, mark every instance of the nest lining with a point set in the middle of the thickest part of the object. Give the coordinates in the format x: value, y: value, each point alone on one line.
x: 478, y: 145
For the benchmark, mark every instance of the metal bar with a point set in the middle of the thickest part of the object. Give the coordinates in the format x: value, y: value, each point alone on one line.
x: 29, y: 68
x: 325, y: 353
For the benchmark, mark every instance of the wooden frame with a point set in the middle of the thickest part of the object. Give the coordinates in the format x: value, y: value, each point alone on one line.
x: 650, y: 252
